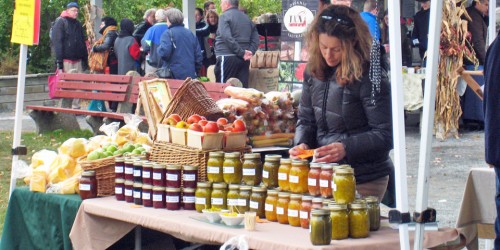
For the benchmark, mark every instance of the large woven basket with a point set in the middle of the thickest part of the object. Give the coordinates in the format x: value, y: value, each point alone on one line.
x: 104, y: 172
x: 192, y: 98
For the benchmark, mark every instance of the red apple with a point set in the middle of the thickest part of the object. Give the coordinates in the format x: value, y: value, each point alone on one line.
x: 239, y: 126
x: 203, y: 122
x: 211, y: 127
x: 176, y: 117
x: 196, y: 127
x: 193, y: 119
x: 222, y: 121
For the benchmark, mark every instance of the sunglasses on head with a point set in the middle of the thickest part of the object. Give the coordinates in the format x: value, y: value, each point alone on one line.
x: 339, y: 19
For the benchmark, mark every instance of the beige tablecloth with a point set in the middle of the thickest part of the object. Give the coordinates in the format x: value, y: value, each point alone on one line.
x: 412, y: 88
x: 101, y: 222
x: 478, y: 204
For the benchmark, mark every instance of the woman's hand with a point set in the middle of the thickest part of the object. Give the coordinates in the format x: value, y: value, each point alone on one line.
x: 330, y: 153
x: 295, y: 151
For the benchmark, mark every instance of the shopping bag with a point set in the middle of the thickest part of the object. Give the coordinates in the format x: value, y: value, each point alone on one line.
x: 52, y: 82
x: 97, y: 105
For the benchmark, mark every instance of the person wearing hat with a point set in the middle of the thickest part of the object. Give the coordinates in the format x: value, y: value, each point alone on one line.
x: 68, y: 40
x: 421, y: 27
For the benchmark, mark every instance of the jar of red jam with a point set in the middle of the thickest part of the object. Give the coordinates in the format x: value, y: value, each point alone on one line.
x: 189, y: 176
x: 305, y: 210
x: 138, y: 193
x: 188, y: 198
x: 158, y: 175
x: 120, y: 189
x: 313, y: 179
x: 147, y: 171
x: 88, y: 185
x: 129, y: 169
x: 119, y: 168
x: 173, y: 198
x: 147, y: 193
x: 173, y: 176
x: 138, y: 171
x: 129, y: 191
x: 325, y: 181
x: 158, y: 197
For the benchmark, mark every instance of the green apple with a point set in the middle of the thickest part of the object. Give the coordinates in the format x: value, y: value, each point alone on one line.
x: 94, y: 155
x: 136, y: 152
x: 112, y: 148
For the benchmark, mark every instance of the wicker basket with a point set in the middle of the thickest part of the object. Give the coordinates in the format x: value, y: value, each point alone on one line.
x: 192, y: 98
x: 104, y: 172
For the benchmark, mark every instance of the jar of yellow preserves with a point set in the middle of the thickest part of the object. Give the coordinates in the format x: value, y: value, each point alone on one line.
x: 373, y: 212
x: 282, y: 207
x: 252, y: 169
x: 244, y: 199
x: 214, y: 166
x: 219, y: 196
x: 359, y: 221
x: 231, y: 169
x: 202, y: 196
x: 232, y: 198
x: 270, y: 171
x: 340, y: 221
x: 293, y: 210
x: 298, y: 176
x: 270, y: 205
x: 344, y: 185
x: 283, y: 172
x: 257, y: 201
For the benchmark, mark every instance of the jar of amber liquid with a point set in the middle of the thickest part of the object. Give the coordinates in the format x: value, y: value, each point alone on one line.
x: 359, y: 221
x: 344, y: 185
x: 321, y: 227
x: 270, y: 205
x: 270, y: 171
x: 325, y: 181
x: 119, y: 168
x: 188, y: 199
x: 257, y: 201
x: 158, y: 175
x: 282, y: 207
x: 173, y: 176
x: 173, y: 198
x: 189, y: 176
x: 293, y: 210
x: 129, y: 191
x: 129, y: 169
x: 244, y: 199
x: 147, y: 172
x: 340, y: 221
x: 299, y: 176
x: 305, y: 210
x: 219, y: 196
x: 232, y: 198
x: 88, y: 185
x: 120, y: 189
x: 252, y: 169
x: 158, y: 197
x: 137, y: 171
x: 147, y: 199
x: 138, y: 193
x: 214, y: 166
x: 283, y: 174
x: 203, y: 196
x: 232, y: 168
x: 313, y: 179
x: 373, y: 212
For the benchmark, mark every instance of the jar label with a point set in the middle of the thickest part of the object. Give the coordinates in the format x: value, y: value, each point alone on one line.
x: 129, y: 170
x: 137, y: 173
x: 119, y: 169
x: 304, y: 214
x: 172, y: 199
x: 269, y: 207
x: 157, y: 197
x: 232, y: 202
x: 137, y: 194
x: 84, y: 187
x: 213, y: 170
x: 118, y: 190
x: 200, y: 201
x: 280, y: 210
x: 188, y: 199
x: 189, y: 177
x: 128, y: 192
x: 293, y: 213
x: 242, y: 202
x: 334, y: 186
x: 282, y: 176
x: 228, y: 170
x: 249, y: 171
x: 172, y: 177
x: 146, y: 196
x: 265, y: 174
x: 323, y: 183
x: 311, y: 182
x: 254, y: 205
x: 217, y: 201
x: 146, y: 174
x: 156, y: 176
x: 294, y: 179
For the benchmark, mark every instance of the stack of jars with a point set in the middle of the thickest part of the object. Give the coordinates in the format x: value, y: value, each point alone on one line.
x: 154, y: 184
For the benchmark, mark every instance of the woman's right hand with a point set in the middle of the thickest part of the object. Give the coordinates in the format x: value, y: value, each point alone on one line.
x: 295, y: 151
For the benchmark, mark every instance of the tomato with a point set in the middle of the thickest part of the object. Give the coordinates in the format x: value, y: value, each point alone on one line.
x: 239, y: 126
x: 211, y: 127
x: 193, y: 119
x: 196, y: 127
x: 222, y: 121
x: 203, y: 122
x: 175, y: 117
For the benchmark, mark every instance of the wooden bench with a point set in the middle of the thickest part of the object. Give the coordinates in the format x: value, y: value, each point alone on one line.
x: 118, y: 88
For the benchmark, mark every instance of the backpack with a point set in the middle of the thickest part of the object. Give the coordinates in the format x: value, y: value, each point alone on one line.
x: 51, y: 36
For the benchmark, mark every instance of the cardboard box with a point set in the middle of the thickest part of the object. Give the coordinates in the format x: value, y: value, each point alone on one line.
x: 264, y: 80
x: 235, y: 140
x: 179, y: 135
x: 204, y: 141
x: 163, y: 133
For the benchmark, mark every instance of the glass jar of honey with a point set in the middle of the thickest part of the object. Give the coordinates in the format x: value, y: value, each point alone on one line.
x: 282, y: 207
x: 283, y: 173
x: 214, y: 166
x: 270, y: 205
x: 299, y: 176
x: 293, y: 210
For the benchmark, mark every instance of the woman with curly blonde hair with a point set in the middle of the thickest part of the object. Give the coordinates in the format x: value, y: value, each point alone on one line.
x: 345, y: 108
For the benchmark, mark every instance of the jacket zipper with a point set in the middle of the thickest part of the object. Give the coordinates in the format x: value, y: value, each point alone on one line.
x: 325, y: 100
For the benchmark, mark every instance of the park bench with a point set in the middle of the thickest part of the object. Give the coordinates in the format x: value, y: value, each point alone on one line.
x: 119, y: 88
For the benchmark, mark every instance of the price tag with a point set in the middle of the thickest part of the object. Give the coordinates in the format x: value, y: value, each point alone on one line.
x: 232, y: 202
x: 200, y: 201
x: 249, y: 171
x: 282, y: 176
x: 254, y: 205
x: 217, y: 201
x: 269, y: 207
x: 146, y: 174
x: 188, y: 199
x: 293, y: 213
x: 311, y: 182
x: 294, y: 179
x: 265, y: 174
x: 280, y: 210
x: 323, y: 183
x: 242, y: 202
x: 228, y: 170
x: 213, y: 170
x: 189, y: 177
x: 84, y: 187
x: 156, y: 176
x: 304, y: 215
x: 146, y: 196
x: 172, y: 199
x: 119, y: 170
x: 118, y: 190
x: 157, y: 197
x: 172, y: 177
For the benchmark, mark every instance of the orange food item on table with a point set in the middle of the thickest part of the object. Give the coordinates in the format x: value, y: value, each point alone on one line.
x: 305, y: 153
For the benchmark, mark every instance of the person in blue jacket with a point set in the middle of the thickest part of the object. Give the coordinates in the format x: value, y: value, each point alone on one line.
x: 179, y: 48
x: 369, y: 15
x: 151, y: 41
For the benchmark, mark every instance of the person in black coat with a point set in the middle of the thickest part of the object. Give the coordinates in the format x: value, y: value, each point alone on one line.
x: 142, y: 27
x: 420, y: 31
x: 344, y: 113
x: 109, y: 30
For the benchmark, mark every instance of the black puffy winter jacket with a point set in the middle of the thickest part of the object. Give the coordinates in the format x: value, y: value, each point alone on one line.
x: 69, y: 40
x: 329, y: 112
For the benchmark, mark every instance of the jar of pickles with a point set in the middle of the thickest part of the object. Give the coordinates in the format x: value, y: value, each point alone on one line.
x: 244, y: 199
x: 189, y: 176
x: 299, y: 176
x: 232, y: 198
x: 257, y: 200
x: 252, y: 169
x: 219, y: 196
x: 293, y: 210
x: 325, y: 181
x: 270, y: 205
x: 313, y: 179
x: 231, y: 170
x: 373, y: 212
x: 321, y: 227
x: 282, y: 207
x: 158, y: 175
x: 340, y: 221
x: 359, y: 221
x: 173, y: 176
x: 203, y: 196
x: 119, y: 167
x: 270, y: 171
x: 214, y: 166
x: 344, y: 185
x: 305, y: 210
x: 283, y: 173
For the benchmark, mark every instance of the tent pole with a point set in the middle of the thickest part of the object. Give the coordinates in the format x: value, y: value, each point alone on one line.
x: 431, y: 73
x: 492, y: 28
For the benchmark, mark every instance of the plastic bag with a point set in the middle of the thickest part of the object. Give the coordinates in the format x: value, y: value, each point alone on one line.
x: 42, y: 157
x: 236, y: 242
x: 62, y: 168
x: 22, y: 169
x: 110, y: 129
x: 74, y: 147
x: 129, y: 132
x: 68, y: 186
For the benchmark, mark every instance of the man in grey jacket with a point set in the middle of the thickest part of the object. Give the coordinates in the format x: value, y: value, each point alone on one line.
x: 236, y: 41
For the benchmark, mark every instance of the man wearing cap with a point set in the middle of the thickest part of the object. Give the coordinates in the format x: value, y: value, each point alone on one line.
x: 421, y: 27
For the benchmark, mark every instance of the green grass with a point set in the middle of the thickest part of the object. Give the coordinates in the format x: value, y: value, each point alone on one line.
x: 34, y: 143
